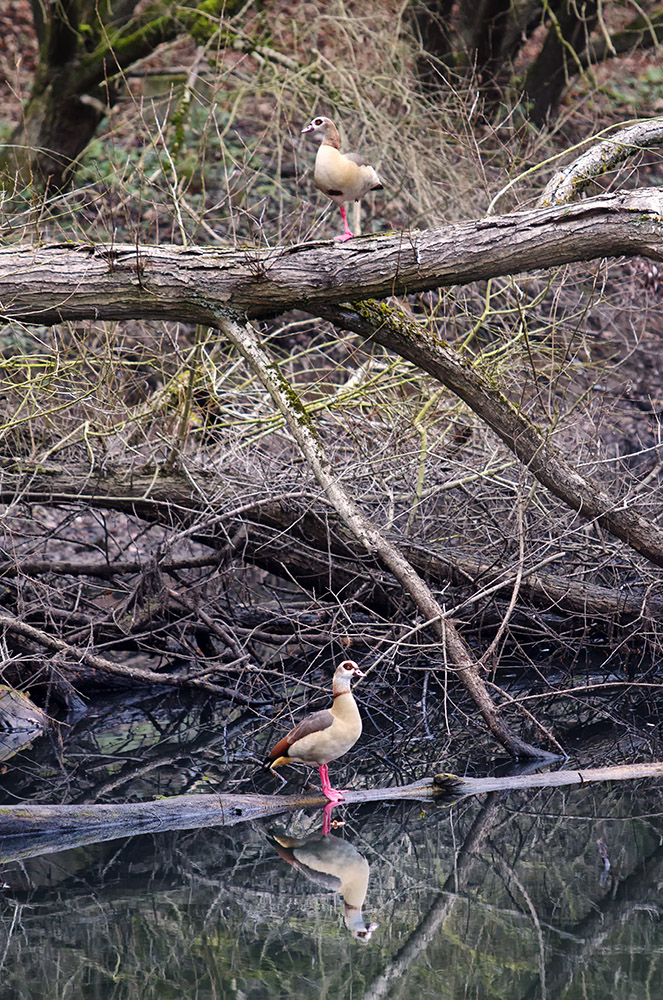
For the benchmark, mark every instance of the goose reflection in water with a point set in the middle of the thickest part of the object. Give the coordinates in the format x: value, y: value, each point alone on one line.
x: 334, y: 864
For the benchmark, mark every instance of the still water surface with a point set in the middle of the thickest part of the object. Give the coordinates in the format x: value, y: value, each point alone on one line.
x: 543, y: 894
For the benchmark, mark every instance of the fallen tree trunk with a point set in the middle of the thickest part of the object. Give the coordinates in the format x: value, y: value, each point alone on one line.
x: 31, y: 830
x: 56, y: 282
x: 301, y: 528
x: 53, y: 283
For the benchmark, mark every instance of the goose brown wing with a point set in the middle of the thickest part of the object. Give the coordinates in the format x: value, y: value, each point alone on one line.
x: 314, y: 723
x: 357, y: 158
x: 362, y: 162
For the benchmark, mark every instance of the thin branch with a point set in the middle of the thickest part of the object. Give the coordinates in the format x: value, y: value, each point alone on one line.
x: 567, y: 184
x: 108, y: 668
x: 307, y: 522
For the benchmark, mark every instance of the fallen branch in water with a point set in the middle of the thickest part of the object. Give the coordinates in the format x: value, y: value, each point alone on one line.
x: 32, y: 830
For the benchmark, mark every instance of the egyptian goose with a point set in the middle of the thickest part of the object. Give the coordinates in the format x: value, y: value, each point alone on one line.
x: 325, y: 735
x: 341, y: 176
x: 335, y: 864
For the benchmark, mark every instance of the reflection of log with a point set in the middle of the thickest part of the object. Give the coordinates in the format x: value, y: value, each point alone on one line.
x: 637, y: 891
x: 586, y: 936
x: 29, y: 830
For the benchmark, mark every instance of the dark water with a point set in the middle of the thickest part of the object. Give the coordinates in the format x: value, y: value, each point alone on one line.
x: 506, y: 895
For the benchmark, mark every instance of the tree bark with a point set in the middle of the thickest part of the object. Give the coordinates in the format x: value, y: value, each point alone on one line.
x: 55, y: 282
x: 485, y: 27
x: 60, y: 116
x: 21, y: 721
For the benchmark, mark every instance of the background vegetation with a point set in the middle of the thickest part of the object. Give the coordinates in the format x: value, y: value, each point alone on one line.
x: 161, y: 530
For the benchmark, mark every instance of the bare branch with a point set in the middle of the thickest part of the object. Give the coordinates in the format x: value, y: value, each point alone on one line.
x: 298, y: 420
x: 307, y: 523
x: 568, y: 183
x: 107, y: 668
x: 521, y: 435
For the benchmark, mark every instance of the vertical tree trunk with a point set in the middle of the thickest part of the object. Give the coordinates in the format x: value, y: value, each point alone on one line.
x: 432, y: 21
x: 561, y: 55
x: 57, y: 125
x: 82, y: 43
x: 484, y: 27
x: 59, y: 119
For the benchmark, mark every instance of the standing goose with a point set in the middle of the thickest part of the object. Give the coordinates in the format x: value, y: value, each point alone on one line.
x: 326, y: 735
x: 341, y: 176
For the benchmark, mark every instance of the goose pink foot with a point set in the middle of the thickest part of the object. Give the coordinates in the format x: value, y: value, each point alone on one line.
x: 347, y: 233
x: 326, y: 818
x: 333, y: 794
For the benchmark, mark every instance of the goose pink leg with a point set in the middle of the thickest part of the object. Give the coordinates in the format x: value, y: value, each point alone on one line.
x: 347, y: 233
x: 333, y: 794
x: 327, y: 821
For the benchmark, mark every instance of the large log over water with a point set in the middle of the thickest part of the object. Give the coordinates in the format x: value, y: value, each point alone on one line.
x: 32, y: 830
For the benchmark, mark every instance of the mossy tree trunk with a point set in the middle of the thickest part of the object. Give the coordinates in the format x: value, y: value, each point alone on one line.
x: 84, y: 49
x: 57, y: 121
